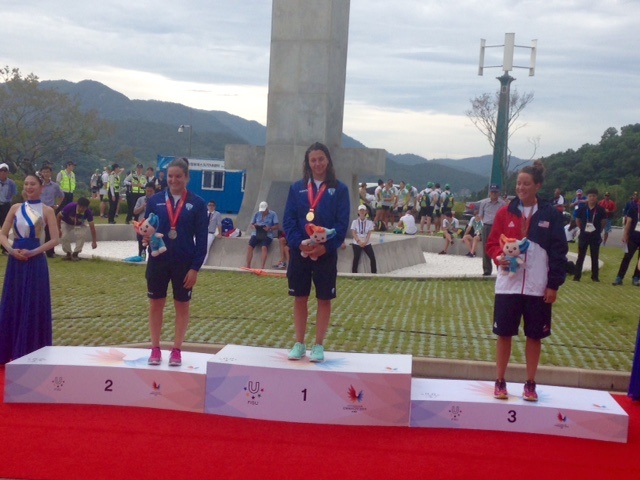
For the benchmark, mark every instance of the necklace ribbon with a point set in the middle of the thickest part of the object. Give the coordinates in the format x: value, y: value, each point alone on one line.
x: 174, y: 215
x: 313, y: 202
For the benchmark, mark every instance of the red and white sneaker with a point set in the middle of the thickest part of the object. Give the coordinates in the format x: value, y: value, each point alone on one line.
x: 156, y: 356
x: 529, y: 393
x: 500, y: 390
x: 175, y: 359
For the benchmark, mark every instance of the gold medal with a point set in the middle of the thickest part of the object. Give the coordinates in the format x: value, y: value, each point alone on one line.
x: 310, y: 216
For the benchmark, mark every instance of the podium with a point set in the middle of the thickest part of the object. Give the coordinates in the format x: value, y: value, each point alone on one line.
x: 568, y: 412
x: 346, y: 389
x: 106, y: 376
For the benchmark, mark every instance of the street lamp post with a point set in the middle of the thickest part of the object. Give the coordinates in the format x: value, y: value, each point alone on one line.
x: 181, y: 130
x: 500, y: 144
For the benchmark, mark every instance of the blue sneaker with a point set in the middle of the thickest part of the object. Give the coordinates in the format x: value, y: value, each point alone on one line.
x: 636, y: 282
x: 317, y: 354
x: 298, y: 351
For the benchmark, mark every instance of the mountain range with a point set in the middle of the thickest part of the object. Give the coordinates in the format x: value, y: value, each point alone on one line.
x: 145, y: 128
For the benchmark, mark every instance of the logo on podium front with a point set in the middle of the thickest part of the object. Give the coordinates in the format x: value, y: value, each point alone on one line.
x: 356, y: 398
x: 253, y: 392
x: 58, y: 383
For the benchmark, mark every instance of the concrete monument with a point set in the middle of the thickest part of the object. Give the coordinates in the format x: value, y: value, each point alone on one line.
x: 305, y: 105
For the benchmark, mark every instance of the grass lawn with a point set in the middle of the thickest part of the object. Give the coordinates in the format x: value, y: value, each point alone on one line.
x: 594, y: 324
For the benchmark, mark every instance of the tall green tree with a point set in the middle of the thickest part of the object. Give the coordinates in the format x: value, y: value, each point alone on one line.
x: 39, y: 125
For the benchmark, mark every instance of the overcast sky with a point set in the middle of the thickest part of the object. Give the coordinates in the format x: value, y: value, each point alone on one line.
x: 412, y: 65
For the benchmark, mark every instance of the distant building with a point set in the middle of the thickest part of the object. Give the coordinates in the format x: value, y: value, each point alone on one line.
x: 210, y: 180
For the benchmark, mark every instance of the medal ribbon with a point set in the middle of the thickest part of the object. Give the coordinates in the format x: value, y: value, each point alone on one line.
x: 175, y: 214
x: 313, y: 202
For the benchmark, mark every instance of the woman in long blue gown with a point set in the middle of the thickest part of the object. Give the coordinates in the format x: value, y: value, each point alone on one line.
x: 25, y: 308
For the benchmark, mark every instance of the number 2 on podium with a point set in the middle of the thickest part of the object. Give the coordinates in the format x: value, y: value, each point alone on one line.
x: 108, y: 384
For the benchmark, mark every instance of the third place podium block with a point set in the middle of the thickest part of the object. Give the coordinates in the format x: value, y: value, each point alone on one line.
x: 346, y: 389
x: 563, y: 411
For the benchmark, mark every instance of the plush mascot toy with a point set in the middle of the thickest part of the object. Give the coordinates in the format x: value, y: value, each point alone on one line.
x: 317, y: 236
x: 511, y: 250
x: 147, y: 228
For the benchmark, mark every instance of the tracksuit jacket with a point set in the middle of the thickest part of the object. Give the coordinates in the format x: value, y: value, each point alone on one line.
x: 546, y: 257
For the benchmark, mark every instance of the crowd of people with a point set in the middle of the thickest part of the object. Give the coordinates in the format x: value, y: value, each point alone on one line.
x: 314, y: 227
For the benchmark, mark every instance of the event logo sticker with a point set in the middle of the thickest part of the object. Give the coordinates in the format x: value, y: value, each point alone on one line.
x: 253, y: 392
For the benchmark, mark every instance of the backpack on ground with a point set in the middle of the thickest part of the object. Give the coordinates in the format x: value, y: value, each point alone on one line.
x: 228, y: 230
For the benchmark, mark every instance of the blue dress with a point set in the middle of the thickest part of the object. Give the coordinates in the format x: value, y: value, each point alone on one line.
x: 25, y: 309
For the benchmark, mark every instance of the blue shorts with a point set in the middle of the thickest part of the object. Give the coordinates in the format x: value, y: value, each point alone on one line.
x: 254, y: 242
x: 160, y: 273
x: 509, y: 309
x: 608, y: 227
x: 323, y: 272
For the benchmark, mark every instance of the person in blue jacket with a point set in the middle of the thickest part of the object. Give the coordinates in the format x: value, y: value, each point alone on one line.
x: 321, y: 199
x: 183, y: 223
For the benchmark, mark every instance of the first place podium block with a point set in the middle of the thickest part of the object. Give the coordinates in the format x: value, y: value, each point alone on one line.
x: 563, y: 411
x: 346, y: 389
x: 106, y: 376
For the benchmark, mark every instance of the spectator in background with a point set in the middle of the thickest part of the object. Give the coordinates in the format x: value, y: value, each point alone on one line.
x: 558, y: 200
x: 284, y: 251
x: 161, y: 181
x: 610, y: 210
x: 135, y: 183
x: 73, y: 222
x: 51, y: 196
x: 578, y: 200
x: 631, y: 239
x: 407, y: 223
x: 113, y: 190
x: 426, y: 210
x: 436, y: 203
x: 447, y: 200
x: 104, y: 192
x: 67, y: 180
x: 8, y: 190
x: 265, y: 224
x: 488, y: 209
x: 473, y: 234
x: 590, y: 219
x: 366, y: 199
x: 214, y: 229
x: 93, y: 183
x: 571, y: 231
x: 138, y: 210
x: 378, y: 221
x: 361, y: 229
x: 630, y: 208
x: 450, y: 227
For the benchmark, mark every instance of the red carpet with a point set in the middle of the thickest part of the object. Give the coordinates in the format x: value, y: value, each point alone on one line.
x: 95, y: 442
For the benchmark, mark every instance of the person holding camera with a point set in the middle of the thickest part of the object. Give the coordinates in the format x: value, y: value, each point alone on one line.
x: 265, y: 225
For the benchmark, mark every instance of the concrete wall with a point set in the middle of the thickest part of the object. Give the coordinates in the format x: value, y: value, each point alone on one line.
x: 391, y: 255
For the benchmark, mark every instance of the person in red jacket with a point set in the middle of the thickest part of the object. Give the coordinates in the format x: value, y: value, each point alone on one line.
x: 530, y: 292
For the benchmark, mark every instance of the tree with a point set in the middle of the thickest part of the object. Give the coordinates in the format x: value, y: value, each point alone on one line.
x: 39, y: 125
x: 484, y: 115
